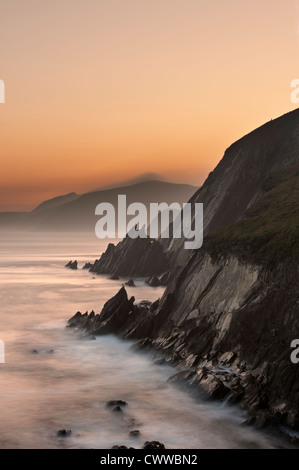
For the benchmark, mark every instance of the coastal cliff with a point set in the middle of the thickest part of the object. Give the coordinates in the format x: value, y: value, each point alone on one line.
x: 231, y: 309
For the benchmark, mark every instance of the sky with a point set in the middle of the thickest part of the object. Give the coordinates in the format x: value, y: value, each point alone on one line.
x: 100, y: 91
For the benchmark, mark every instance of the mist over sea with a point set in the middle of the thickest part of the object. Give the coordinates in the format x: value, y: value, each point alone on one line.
x: 66, y: 384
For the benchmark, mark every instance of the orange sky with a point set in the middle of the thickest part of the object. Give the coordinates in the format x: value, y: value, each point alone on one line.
x: 98, y: 91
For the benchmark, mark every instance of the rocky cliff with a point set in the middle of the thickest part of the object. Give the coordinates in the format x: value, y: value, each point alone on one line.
x: 230, y: 313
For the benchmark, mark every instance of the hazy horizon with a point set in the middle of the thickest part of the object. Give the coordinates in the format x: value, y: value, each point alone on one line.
x: 148, y: 177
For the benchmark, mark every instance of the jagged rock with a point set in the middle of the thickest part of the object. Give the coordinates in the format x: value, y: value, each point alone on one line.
x: 140, y: 257
x: 130, y: 283
x: 72, y: 265
x: 113, y: 403
x: 114, y: 315
x: 87, y: 266
x: 117, y: 409
x: 153, y: 445
x: 182, y: 377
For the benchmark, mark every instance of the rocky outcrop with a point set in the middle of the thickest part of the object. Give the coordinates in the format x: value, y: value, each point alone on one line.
x: 87, y: 266
x: 141, y: 257
x: 72, y: 265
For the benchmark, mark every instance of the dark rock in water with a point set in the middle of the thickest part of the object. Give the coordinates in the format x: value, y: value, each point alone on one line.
x: 47, y: 351
x: 214, y: 387
x: 112, y: 403
x: 250, y: 421
x: 77, y: 320
x: 135, y: 433
x: 72, y: 265
x: 114, y: 277
x: 64, y: 433
x: 117, y: 409
x: 153, y: 445
x: 119, y: 447
x: 87, y: 266
x: 130, y: 283
x: 116, y: 314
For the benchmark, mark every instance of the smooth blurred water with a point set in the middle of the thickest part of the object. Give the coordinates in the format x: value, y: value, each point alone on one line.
x: 68, y: 388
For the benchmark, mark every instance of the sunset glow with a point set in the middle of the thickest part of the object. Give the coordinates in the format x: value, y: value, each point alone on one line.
x: 102, y: 91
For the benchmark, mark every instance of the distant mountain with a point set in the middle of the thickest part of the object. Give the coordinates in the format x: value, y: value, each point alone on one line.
x: 55, y: 202
x: 74, y: 212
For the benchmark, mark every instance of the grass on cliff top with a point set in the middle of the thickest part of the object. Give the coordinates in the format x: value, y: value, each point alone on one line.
x: 269, y: 232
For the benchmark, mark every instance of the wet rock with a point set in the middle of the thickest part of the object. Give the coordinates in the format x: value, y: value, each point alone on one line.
x: 182, y: 377
x: 64, y: 433
x: 117, y: 409
x: 130, y: 283
x: 113, y: 403
x: 119, y: 447
x: 214, y: 387
x: 153, y: 445
x: 72, y: 265
x: 250, y: 421
x: 145, y: 344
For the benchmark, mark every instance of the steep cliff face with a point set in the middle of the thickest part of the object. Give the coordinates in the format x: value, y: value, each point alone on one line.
x: 238, y: 180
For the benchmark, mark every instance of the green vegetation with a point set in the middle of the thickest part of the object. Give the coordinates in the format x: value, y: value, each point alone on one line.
x: 269, y: 232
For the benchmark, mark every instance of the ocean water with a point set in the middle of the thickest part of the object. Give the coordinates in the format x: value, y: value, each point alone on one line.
x: 67, y: 383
